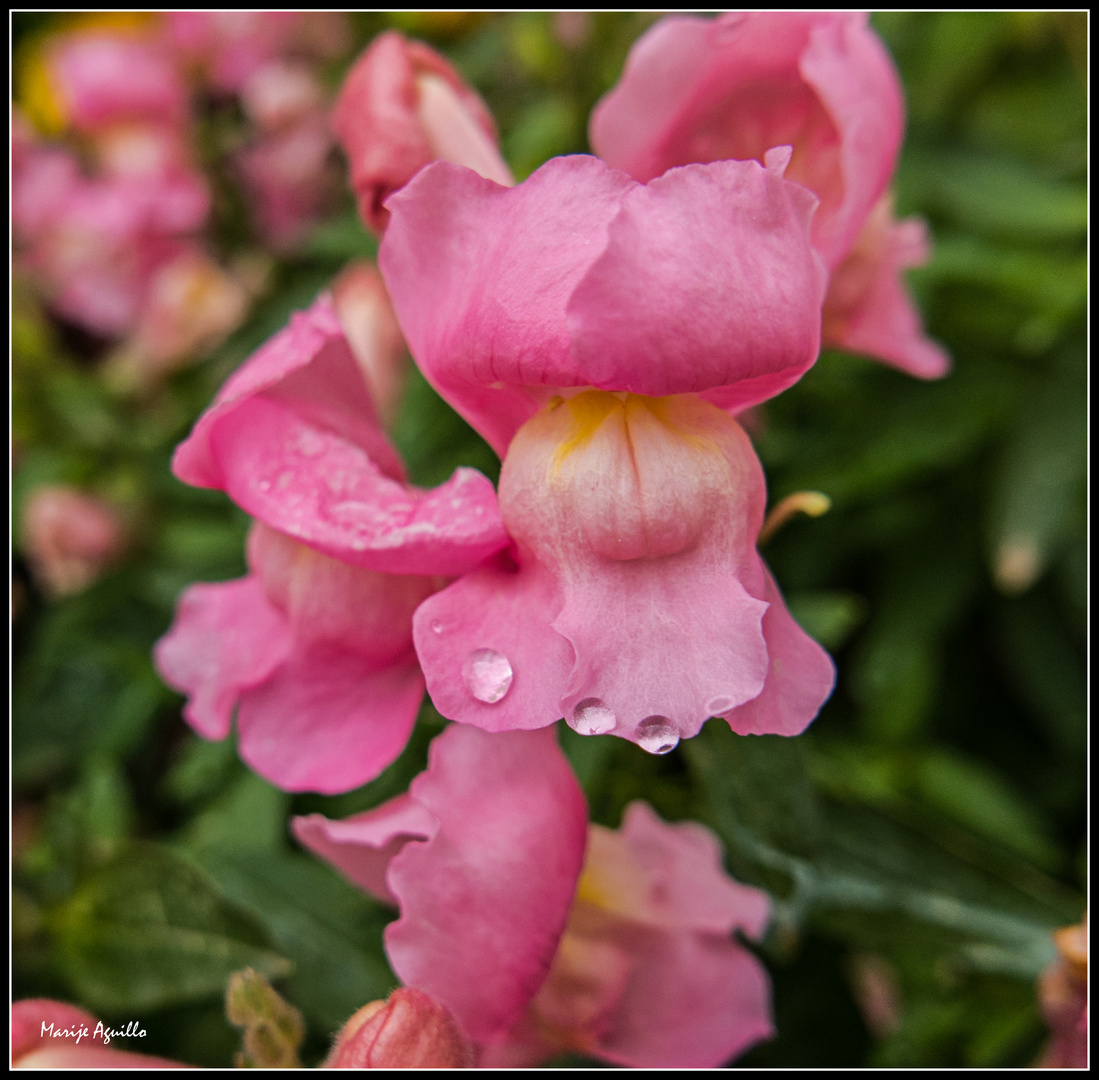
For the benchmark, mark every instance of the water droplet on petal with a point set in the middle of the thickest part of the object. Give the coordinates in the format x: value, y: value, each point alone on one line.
x: 487, y: 674
x: 717, y: 705
x: 657, y: 735
x: 436, y: 626
x: 592, y: 717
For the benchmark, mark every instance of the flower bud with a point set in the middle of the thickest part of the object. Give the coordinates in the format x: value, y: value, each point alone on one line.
x: 69, y: 538
x: 403, y: 106
x: 409, y: 1031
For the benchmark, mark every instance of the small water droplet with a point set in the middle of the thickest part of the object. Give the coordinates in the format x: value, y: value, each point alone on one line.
x: 592, y: 717
x: 717, y: 705
x: 657, y: 735
x: 436, y: 626
x: 487, y: 675
x: 264, y: 485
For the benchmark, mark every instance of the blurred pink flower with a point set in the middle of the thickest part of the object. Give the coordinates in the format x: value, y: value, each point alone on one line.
x: 633, y: 600
x: 314, y: 647
x: 55, y: 1035
x: 626, y: 954
x: 402, y: 106
x: 734, y: 87
x: 1063, y: 997
x: 231, y: 46
x: 408, y: 1031
x: 69, y: 537
x: 105, y: 76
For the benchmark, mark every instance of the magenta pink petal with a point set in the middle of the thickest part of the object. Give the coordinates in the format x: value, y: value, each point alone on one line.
x: 693, y: 1000
x: 308, y: 367
x: 325, y: 721
x: 688, y: 886
x: 361, y: 847
x: 886, y: 323
x: 800, y: 676
x: 484, y: 902
x: 707, y: 279
x: 507, y: 610
x: 226, y: 638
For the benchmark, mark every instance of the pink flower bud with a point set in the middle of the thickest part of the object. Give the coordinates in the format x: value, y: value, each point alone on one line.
x: 1063, y: 998
x: 403, y: 106
x: 367, y: 317
x: 409, y: 1031
x: 69, y: 538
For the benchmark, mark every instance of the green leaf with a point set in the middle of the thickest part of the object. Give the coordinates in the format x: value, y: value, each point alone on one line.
x: 828, y: 615
x: 327, y: 927
x: 250, y: 814
x: 150, y: 929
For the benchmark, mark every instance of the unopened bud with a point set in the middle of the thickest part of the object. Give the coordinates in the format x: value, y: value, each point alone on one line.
x: 409, y: 1031
x: 69, y: 538
x: 273, y: 1029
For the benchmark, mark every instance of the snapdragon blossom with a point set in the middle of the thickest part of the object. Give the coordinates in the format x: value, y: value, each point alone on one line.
x: 598, y: 332
x: 313, y: 649
x: 699, y: 89
x: 543, y: 934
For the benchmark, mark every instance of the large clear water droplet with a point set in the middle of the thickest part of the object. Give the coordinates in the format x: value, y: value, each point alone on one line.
x: 718, y: 705
x: 657, y: 735
x: 487, y: 674
x: 592, y: 716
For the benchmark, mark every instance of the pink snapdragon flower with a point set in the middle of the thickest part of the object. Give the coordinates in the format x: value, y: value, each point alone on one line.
x: 543, y: 934
x: 402, y: 106
x: 595, y: 330
x: 314, y: 647
x: 55, y: 1035
x: 699, y: 89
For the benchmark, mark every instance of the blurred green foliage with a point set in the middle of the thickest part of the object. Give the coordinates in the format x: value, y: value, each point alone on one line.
x: 933, y: 817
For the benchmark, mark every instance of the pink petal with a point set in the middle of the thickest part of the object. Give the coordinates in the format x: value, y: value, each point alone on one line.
x: 800, y: 676
x: 484, y: 902
x: 480, y: 277
x: 688, y: 888
x: 361, y: 847
x: 226, y: 638
x: 693, y: 1001
x: 293, y: 439
x: 327, y: 721
x: 700, y: 90
x: 886, y: 324
x: 703, y: 279
x: 307, y: 366
x: 508, y: 610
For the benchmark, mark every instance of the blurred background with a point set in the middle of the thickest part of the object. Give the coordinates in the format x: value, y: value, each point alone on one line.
x: 922, y: 840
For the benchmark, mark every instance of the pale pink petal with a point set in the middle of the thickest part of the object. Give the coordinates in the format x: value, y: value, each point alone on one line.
x: 800, y: 676
x: 886, y: 323
x: 327, y: 721
x: 28, y: 1017
x: 226, y: 637
x: 578, y: 277
x: 360, y: 847
x: 693, y: 1000
x: 484, y: 902
x: 507, y: 610
x: 688, y: 888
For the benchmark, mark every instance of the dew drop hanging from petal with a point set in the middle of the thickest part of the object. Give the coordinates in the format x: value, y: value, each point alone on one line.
x: 592, y: 716
x: 657, y: 735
